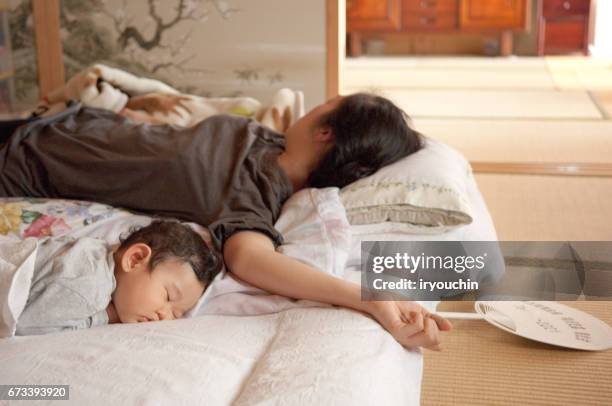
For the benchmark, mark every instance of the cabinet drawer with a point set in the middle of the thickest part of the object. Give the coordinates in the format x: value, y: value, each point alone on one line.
x: 564, y: 35
x: 373, y: 15
x: 494, y: 14
x: 560, y: 8
x: 412, y: 21
x: 434, y: 6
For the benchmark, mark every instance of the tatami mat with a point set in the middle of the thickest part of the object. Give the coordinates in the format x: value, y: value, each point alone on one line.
x: 460, y: 62
x: 548, y: 208
x: 524, y: 140
x: 482, y: 365
x: 570, y: 79
x: 604, y: 100
x: 523, y: 104
x: 580, y: 72
x: 445, y: 78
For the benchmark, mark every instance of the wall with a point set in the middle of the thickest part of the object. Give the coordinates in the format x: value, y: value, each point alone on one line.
x: 602, y: 35
x: 205, y: 47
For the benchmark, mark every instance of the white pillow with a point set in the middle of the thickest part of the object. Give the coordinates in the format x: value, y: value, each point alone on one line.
x: 426, y: 189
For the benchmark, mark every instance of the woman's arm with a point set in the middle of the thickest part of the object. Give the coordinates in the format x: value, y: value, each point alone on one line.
x: 251, y: 256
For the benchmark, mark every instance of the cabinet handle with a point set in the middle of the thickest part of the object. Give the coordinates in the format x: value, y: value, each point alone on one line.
x: 567, y: 5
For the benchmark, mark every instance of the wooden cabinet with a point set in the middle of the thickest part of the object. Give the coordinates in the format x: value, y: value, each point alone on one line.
x: 429, y: 15
x: 441, y: 16
x: 494, y: 14
x: 373, y: 15
x: 565, y: 8
x: 563, y: 26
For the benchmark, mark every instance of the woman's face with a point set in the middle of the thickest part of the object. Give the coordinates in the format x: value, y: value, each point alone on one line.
x: 302, y: 133
x: 164, y: 293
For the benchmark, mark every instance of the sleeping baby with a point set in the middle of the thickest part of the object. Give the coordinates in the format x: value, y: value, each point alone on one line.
x: 158, y: 272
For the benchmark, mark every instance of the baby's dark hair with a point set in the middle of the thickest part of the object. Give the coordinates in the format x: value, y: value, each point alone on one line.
x: 172, y: 240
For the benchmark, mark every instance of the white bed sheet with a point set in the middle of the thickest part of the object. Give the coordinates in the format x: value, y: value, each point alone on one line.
x: 297, y: 356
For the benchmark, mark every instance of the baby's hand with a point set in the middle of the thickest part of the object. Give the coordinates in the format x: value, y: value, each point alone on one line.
x: 409, y: 323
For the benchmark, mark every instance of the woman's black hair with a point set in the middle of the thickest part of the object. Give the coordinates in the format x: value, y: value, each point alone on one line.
x: 369, y: 133
x: 172, y: 240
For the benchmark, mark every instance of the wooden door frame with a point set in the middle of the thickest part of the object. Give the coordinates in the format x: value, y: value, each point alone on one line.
x: 335, y: 33
x: 589, y: 169
x: 49, y: 53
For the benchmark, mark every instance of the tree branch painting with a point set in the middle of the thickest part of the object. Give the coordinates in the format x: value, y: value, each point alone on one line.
x: 152, y: 38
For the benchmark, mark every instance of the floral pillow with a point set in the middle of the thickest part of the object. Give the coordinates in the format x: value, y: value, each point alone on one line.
x: 24, y: 217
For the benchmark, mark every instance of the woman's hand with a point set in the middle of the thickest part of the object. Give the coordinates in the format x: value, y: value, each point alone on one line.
x: 409, y: 323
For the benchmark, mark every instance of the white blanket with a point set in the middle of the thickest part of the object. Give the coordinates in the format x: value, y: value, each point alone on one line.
x: 110, y: 88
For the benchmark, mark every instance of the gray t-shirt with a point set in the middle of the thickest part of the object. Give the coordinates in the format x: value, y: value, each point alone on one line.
x: 71, y: 286
x: 221, y: 173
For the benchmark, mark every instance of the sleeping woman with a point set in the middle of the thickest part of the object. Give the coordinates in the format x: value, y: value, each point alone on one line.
x: 229, y: 173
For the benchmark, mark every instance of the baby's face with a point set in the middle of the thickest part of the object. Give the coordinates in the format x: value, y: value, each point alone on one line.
x: 164, y: 293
